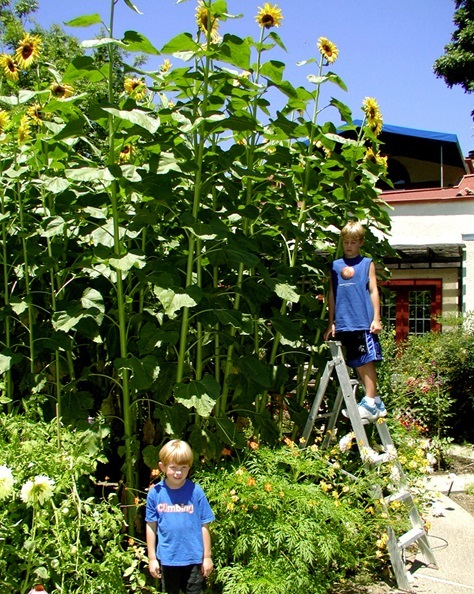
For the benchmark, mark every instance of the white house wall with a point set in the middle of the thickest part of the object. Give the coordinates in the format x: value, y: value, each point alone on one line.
x: 438, y: 222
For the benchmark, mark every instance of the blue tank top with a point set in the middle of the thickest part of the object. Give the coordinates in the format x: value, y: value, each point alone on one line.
x: 350, y: 282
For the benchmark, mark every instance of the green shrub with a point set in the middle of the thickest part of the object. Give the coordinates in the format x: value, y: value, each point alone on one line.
x: 54, y: 528
x: 429, y: 381
x: 289, y: 520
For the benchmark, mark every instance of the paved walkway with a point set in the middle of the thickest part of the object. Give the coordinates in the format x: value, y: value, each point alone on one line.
x: 451, y: 537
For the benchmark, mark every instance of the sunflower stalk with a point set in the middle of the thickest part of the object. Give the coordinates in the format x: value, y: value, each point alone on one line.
x: 127, y: 396
x: 194, y: 246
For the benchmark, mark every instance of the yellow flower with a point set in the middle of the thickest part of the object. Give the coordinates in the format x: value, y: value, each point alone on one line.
x: 328, y: 50
x: 206, y: 21
x: 269, y: 16
x: 4, y: 120
x: 376, y: 158
x: 35, y: 113
x: 166, y: 66
x: 24, y: 132
x: 126, y: 153
x: 135, y: 87
x: 28, y: 50
x: 61, y: 91
x: 251, y: 481
x: 373, y: 115
x: 268, y: 487
x: 10, y: 67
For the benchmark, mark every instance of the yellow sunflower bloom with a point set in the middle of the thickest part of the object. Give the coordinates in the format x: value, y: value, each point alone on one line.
x: 135, y: 87
x: 269, y: 16
x: 376, y: 158
x: 166, y: 66
x: 126, y: 154
x: 373, y: 115
x: 24, y: 132
x: 35, y: 113
x: 4, y: 120
x: 10, y: 67
x: 206, y: 21
x: 28, y: 50
x: 61, y: 91
x: 328, y: 50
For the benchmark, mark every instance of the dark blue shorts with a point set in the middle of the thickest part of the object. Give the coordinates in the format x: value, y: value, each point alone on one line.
x: 187, y: 579
x: 361, y: 347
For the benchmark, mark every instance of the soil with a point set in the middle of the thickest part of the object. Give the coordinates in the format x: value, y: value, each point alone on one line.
x: 459, y: 465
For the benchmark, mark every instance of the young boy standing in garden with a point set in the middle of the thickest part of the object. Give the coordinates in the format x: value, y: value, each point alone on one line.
x: 354, y: 316
x: 177, y: 524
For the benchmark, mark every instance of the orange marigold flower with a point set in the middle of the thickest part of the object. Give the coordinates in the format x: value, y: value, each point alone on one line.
x: 268, y: 487
x: 251, y: 481
x: 253, y: 445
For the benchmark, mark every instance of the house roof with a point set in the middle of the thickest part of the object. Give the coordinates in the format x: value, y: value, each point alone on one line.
x: 463, y: 191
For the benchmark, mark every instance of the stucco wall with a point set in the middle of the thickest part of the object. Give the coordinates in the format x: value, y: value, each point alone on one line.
x: 438, y: 222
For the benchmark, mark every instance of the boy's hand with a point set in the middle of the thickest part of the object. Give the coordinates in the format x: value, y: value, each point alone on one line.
x: 207, y: 566
x: 375, y: 327
x: 330, y: 332
x: 154, y: 567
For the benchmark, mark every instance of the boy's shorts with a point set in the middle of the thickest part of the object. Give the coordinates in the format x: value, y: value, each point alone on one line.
x: 361, y: 347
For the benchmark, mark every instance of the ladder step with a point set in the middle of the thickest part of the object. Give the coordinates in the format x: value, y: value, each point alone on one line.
x: 410, y: 537
x: 399, y: 496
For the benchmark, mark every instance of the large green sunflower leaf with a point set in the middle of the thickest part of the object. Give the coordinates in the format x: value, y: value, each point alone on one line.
x: 85, y: 20
x: 136, y: 42
x: 200, y: 394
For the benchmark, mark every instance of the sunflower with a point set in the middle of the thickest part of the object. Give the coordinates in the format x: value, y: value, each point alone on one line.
x: 376, y: 158
x: 166, y: 66
x: 10, y: 67
x: 135, y: 87
x: 206, y: 21
x: 126, y: 153
x: 24, y: 131
x: 61, y: 90
x: 269, y: 16
x: 28, y: 50
x: 328, y: 50
x: 35, y: 113
x: 373, y: 115
x: 4, y: 120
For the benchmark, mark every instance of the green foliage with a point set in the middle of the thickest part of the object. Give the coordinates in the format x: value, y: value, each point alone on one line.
x: 429, y: 380
x: 73, y: 540
x: 456, y: 66
x: 289, y: 520
x: 164, y: 243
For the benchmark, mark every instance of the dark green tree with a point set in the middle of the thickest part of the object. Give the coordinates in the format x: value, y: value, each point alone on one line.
x: 456, y: 66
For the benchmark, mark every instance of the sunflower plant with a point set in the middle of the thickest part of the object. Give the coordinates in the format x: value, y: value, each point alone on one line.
x: 165, y: 234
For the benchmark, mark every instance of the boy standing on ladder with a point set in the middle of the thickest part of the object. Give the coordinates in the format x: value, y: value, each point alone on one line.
x: 354, y: 316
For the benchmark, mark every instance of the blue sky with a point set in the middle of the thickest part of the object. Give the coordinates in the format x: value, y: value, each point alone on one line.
x: 386, y: 49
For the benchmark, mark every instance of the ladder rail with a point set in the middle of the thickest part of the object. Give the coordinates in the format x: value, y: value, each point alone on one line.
x: 347, y: 394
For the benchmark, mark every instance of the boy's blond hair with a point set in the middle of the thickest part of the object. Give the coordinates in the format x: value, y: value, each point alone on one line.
x: 353, y: 230
x: 176, y: 451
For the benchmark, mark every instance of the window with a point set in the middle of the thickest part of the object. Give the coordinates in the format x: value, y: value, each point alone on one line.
x: 411, y: 306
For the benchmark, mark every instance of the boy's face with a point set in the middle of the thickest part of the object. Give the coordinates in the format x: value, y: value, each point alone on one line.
x: 175, y: 474
x: 351, y: 246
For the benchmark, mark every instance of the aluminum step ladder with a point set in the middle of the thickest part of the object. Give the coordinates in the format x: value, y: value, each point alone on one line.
x: 347, y: 394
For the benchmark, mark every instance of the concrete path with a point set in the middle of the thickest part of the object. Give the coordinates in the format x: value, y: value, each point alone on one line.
x: 452, y: 539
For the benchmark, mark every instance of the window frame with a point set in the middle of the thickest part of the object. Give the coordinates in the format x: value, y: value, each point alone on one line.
x: 402, y: 288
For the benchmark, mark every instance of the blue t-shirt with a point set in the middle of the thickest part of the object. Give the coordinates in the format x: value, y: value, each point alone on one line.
x: 179, y: 515
x: 350, y: 282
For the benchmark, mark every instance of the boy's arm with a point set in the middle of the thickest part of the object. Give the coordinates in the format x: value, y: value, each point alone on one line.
x: 153, y: 564
x: 207, y: 563
x: 376, y: 325
x: 331, y: 328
